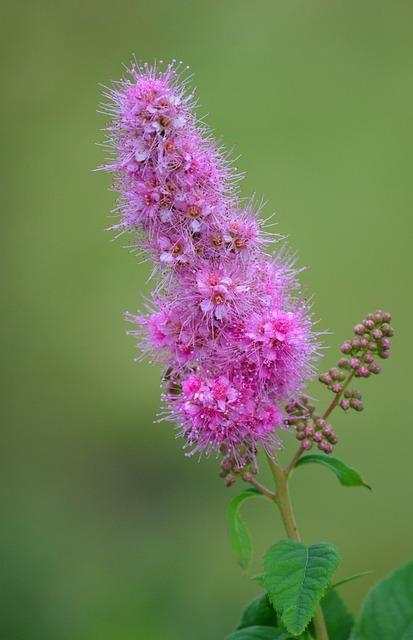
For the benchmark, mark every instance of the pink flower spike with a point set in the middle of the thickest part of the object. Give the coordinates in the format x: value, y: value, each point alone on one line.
x: 226, y: 319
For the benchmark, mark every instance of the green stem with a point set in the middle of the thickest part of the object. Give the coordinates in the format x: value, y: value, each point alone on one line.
x: 284, y: 504
x: 294, y: 459
x: 283, y: 499
x: 247, y: 477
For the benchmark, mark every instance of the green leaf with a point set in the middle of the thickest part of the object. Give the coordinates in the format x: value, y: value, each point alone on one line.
x: 296, y: 577
x: 258, y: 632
x: 338, y: 619
x: 387, y: 613
x: 238, y: 532
x: 408, y: 634
x: 348, y: 476
x: 356, y: 576
x: 260, y: 611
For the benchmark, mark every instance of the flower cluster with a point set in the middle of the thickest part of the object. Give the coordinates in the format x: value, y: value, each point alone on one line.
x: 372, y: 340
x: 310, y: 428
x: 226, y: 319
x: 243, y: 464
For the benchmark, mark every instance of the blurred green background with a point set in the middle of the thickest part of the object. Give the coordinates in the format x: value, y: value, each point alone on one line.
x: 107, y: 531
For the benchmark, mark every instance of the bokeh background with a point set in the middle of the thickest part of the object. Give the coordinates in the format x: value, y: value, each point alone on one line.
x: 107, y: 531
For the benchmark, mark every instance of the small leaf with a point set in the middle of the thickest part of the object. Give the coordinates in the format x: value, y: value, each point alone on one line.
x: 348, y: 476
x: 296, y: 577
x: 258, y: 632
x: 259, y: 579
x: 387, y: 613
x: 339, y: 621
x: 238, y: 532
x: 356, y: 576
x: 259, y: 612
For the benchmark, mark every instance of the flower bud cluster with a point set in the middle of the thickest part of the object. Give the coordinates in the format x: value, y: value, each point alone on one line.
x: 372, y: 340
x: 242, y: 465
x: 226, y: 320
x: 310, y: 428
